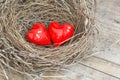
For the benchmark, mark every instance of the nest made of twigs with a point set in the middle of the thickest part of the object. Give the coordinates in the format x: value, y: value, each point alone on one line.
x: 16, y: 18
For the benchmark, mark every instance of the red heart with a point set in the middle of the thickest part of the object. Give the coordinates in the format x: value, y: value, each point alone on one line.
x: 38, y: 35
x: 60, y: 33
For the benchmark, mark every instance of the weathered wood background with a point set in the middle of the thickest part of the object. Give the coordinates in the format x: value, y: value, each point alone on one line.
x: 105, y: 64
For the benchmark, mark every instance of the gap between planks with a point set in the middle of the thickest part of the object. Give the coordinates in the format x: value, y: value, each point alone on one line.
x: 102, y: 65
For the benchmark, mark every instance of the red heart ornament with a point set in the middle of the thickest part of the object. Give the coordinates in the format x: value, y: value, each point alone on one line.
x: 60, y: 33
x: 38, y: 35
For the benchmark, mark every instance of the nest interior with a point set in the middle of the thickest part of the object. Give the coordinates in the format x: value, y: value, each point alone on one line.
x: 16, y: 18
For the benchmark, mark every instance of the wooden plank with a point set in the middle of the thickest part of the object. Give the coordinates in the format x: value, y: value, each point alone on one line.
x: 90, y: 69
x: 103, y: 66
x: 79, y: 72
x: 108, y: 43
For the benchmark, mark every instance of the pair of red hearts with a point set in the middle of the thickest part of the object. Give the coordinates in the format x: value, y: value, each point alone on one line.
x: 59, y: 34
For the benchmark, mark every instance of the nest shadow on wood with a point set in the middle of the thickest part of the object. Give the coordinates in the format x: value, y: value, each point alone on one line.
x: 16, y: 18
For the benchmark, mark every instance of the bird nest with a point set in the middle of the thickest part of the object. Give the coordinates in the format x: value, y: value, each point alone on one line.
x: 16, y: 18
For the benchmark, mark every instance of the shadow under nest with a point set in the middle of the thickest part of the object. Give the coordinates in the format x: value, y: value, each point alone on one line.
x: 16, y: 18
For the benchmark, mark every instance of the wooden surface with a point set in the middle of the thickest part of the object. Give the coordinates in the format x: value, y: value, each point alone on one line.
x: 105, y: 64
